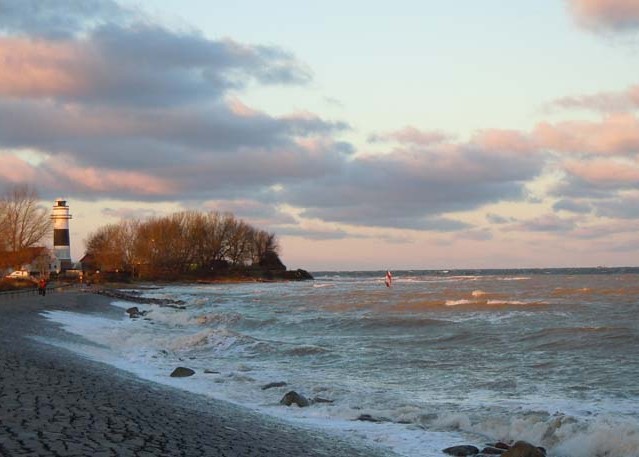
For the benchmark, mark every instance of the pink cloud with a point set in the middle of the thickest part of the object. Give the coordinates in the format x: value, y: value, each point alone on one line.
x: 16, y: 170
x: 100, y: 180
x: 615, y: 135
x: 36, y: 68
x: 503, y: 140
x: 606, y: 102
x: 604, y: 171
x: 412, y: 135
x: 240, y: 109
x: 544, y: 223
x: 614, y: 14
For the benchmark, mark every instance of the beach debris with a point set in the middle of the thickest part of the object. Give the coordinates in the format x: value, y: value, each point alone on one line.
x: 293, y: 397
x: 271, y: 385
x: 209, y: 371
x: 182, y: 372
x: 462, y: 450
x: 524, y: 449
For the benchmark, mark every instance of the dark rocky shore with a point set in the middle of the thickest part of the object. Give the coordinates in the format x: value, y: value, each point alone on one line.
x: 53, y: 402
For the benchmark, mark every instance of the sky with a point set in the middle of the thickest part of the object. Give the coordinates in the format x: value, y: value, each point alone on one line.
x: 414, y: 134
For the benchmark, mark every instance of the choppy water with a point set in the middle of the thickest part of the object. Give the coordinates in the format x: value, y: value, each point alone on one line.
x: 549, y: 356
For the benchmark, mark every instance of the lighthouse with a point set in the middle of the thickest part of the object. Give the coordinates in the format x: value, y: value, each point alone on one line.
x: 61, y: 245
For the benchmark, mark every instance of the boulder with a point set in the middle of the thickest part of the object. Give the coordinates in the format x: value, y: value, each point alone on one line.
x: 293, y: 397
x: 133, y: 312
x: 491, y: 450
x: 270, y: 385
x: 369, y: 418
x: 524, y: 449
x: 463, y: 450
x: 182, y: 372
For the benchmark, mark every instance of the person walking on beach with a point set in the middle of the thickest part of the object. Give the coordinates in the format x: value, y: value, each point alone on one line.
x: 42, y: 287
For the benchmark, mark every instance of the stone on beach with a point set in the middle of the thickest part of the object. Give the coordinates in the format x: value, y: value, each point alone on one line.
x: 270, y: 385
x: 462, y: 450
x: 182, y: 372
x: 134, y: 312
x: 293, y: 397
x: 524, y: 449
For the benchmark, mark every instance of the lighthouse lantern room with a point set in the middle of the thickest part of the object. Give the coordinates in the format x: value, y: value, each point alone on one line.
x: 61, y: 242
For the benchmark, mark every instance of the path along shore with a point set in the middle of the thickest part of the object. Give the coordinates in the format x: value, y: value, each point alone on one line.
x: 54, y: 402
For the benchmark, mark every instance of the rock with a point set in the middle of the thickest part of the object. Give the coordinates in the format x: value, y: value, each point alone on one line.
x: 293, y: 397
x: 369, y: 418
x: 462, y: 450
x: 491, y: 450
x: 270, y: 385
x: 303, y: 274
x: 133, y: 312
x: 524, y: 449
x: 182, y: 372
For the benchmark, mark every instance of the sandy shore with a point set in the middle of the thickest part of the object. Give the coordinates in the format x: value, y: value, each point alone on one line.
x: 56, y: 403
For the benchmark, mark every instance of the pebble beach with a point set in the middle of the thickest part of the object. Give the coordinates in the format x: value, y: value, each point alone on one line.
x: 54, y: 402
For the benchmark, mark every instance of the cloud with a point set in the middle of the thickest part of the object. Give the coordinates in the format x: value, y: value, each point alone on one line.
x: 413, y: 188
x: 604, y: 102
x: 625, y: 206
x: 510, y: 141
x: 411, y: 135
x: 605, y: 173
x: 616, y: 134
x: 605, y: 230
x: 606, y: 14
x: 118, y: 106
x: 497, y: 219
x: 56, y: 19
x: 129, y: 213
x: 545, y: 223
x: 144, y: 65
x: 476, y: 235
x: 572, y: 205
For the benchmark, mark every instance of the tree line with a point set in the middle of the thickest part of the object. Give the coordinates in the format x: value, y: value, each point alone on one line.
x: 187, y: 243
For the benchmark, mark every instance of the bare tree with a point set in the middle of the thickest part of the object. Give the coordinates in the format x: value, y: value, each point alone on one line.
x: 113, y: 246
x: 264, y: 243
x: 23, y: 223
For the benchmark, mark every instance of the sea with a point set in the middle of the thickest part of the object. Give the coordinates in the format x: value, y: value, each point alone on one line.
x: 440, y: 358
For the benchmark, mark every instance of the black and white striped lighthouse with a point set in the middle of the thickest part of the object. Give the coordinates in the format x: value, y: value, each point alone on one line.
x: 61, y: 244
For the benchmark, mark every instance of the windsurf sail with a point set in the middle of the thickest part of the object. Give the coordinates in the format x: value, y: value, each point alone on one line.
x: 389, y: 279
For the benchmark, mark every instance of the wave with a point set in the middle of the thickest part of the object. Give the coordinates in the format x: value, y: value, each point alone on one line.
x: 306, y: 350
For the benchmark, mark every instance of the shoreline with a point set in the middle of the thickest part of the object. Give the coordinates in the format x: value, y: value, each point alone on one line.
x: 56, y: 402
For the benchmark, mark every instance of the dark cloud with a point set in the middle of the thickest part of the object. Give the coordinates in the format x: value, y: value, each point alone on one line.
x: 57, y: 19
x: 318, y: 235
x: 572, y: 205
x: 411, y: 189
x: 621, y: 207
x: 545, y: 223
x: 497, y: 219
